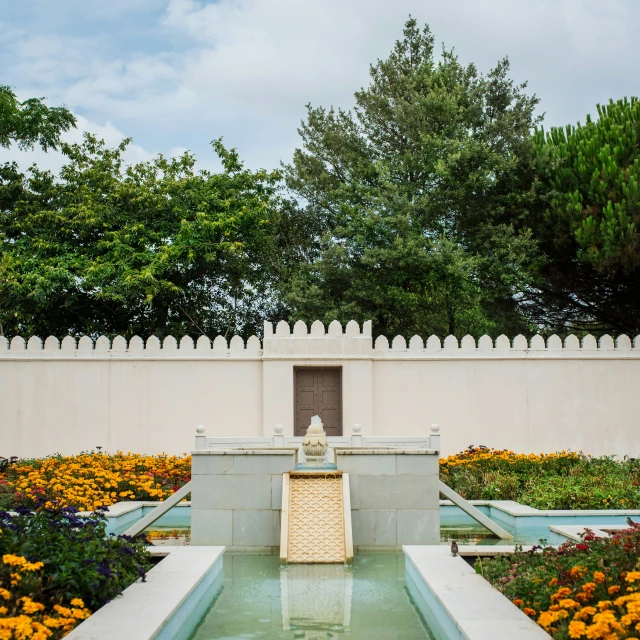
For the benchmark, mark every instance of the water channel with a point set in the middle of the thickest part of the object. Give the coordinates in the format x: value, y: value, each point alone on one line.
x: 264, y: 600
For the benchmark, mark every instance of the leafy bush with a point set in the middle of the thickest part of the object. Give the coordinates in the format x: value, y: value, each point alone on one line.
x: 79, y: 559
x: 589, y: 589
x: 562, y: 480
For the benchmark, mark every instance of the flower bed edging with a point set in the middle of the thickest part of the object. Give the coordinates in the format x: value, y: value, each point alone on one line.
x: 168, y: 606
x: 459, y: 604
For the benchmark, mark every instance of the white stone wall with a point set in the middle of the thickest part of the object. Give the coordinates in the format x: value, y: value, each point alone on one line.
x: 147, y: 397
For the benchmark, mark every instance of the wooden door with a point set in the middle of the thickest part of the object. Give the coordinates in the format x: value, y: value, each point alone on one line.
x: 318, y: 392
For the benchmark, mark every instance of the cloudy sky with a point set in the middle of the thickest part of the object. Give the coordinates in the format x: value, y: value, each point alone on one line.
x: 175, y: 74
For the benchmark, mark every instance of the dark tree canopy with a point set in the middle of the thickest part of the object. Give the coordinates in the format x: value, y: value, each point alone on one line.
x: 590, y: 233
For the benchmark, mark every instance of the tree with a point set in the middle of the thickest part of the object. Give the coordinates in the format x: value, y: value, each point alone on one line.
x: 590, y: 232
x: 150, y: 248
x: 419, y: 190
x: 31, y: 122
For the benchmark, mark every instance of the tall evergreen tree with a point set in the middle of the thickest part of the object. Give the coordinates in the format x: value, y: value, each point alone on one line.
x: 590, y: 232
x: 417, y: 192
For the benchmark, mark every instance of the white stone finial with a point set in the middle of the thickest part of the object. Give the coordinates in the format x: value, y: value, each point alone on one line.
x: 356, y: 429
x: 200, y: 429
x: 278, y: 429
x: 315, y: 442
x: 435, y: 428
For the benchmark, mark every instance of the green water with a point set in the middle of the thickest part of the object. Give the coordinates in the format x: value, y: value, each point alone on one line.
x: 263, y: 600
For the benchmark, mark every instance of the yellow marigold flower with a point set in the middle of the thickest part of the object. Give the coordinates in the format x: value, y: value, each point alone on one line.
x: 29, y: 606
x: 77, y: 602
x: 568, y: 603
x: 3, y: 611
x: 13, y: 561
x: 577, y: 629
x: 4, y: 594
x: 628, y: 619
x: 633, y: 576
x: 15, y: 578
x: 63, y: 611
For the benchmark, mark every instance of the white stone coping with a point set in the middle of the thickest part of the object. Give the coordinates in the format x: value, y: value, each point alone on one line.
x: 245, y: 452
x: 574, y: 531
x: 168, y: 606
x: 388, y: 451
x: 460, y: 602
x: 516, y: 509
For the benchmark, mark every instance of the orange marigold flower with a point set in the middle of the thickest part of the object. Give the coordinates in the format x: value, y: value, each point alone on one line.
x: 584, y: 613
x: 553, y: 582
x: 518, y: 602
x: 568, y: 603
x: 529, y: 611
x: 613, y: 589
x: 598, y: 576
x: 577, y: 629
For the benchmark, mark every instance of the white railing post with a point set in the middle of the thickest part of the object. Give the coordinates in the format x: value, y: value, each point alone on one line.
x: 201, y: 438
x: 356, y: 435
x: 278, y: 437
x: 434, y: 438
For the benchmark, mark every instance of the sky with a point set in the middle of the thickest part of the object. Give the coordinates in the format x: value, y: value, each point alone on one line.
x: 175, y: 74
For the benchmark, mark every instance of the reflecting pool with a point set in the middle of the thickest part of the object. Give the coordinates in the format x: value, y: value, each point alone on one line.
x: 264, y: 600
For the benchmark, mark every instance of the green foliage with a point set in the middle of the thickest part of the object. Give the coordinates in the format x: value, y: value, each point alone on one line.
x: 590, y: 232
x: 597, y: 181
x: 414, y: 195
x: 150, y: 248
x: 31, y: 122
x: 80, y: 560
x: 558, y: 481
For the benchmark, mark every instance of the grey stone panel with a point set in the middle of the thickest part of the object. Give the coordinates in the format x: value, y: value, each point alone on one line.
x: 211, y: 527
x: 398, y: 492
x: 231, y: 492
x: 374, y: 528
x: 276, y: 491
x: 254, y: 529
x: 354, y: 490
x: 216, y: 464
x: 418, y: 527
x: 373, y: 465
x: 417, y: 464
x: 262, y: 464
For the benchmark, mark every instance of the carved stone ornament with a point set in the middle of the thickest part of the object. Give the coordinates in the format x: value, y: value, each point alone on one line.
x: 315, y: 442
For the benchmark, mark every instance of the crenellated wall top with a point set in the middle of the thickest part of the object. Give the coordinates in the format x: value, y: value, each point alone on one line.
x: 318, y: 342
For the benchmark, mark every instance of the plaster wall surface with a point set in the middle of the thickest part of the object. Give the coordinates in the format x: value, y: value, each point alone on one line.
x: 525, y: 395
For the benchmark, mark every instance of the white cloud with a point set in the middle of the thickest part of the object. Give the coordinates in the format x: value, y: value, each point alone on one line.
x: 244, y: 69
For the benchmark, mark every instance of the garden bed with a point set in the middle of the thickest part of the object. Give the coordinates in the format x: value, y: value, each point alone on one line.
x: 563, y: 480
x: 57, y: 568
x: 587, y: 589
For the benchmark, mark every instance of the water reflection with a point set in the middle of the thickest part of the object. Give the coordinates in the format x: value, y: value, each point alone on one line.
x: 262, y: 600
x: 306, y: 606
